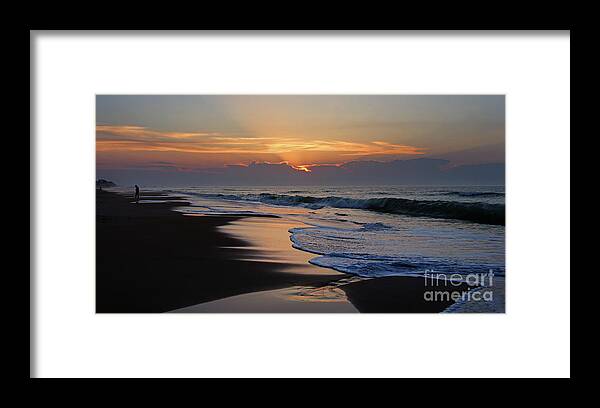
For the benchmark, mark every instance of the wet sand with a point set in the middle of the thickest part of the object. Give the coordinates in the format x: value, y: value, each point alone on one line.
x: 297, y: 299
x: 400, y: 294
x: 150, y: 259
x: 267, y: 239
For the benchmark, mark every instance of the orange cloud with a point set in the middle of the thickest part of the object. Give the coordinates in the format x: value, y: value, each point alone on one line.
x: 131, y: 138
x: 143, y: 133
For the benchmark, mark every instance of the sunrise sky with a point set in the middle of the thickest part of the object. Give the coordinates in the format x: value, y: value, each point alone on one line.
x: 188, y: 133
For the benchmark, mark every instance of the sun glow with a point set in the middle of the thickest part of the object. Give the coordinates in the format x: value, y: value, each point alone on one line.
x: 302, y: 167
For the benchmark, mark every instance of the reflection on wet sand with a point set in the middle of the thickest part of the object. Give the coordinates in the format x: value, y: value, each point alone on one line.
x: 296, y: 299
x: 269, y: 241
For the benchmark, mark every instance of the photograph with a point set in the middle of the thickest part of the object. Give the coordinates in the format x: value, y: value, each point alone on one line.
x: 300, y: 203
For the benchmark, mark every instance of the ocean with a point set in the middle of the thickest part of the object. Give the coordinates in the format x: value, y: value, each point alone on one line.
x: 377, y: 230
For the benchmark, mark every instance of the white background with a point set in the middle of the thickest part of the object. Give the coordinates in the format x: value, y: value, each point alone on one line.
x: 531, y: 339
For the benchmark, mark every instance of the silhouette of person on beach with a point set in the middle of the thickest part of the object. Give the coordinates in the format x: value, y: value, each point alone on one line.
x: 137, y: 194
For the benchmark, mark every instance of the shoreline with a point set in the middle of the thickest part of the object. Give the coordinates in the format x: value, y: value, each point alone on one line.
x: 152, y: 259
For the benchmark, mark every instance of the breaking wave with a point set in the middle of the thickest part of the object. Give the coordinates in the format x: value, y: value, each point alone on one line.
x: 483, y: 213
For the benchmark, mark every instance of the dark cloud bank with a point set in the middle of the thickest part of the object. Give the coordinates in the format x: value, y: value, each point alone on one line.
x: 423, y: 171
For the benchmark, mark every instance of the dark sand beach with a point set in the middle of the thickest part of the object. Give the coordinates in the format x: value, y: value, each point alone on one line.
x: 151, y: 259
